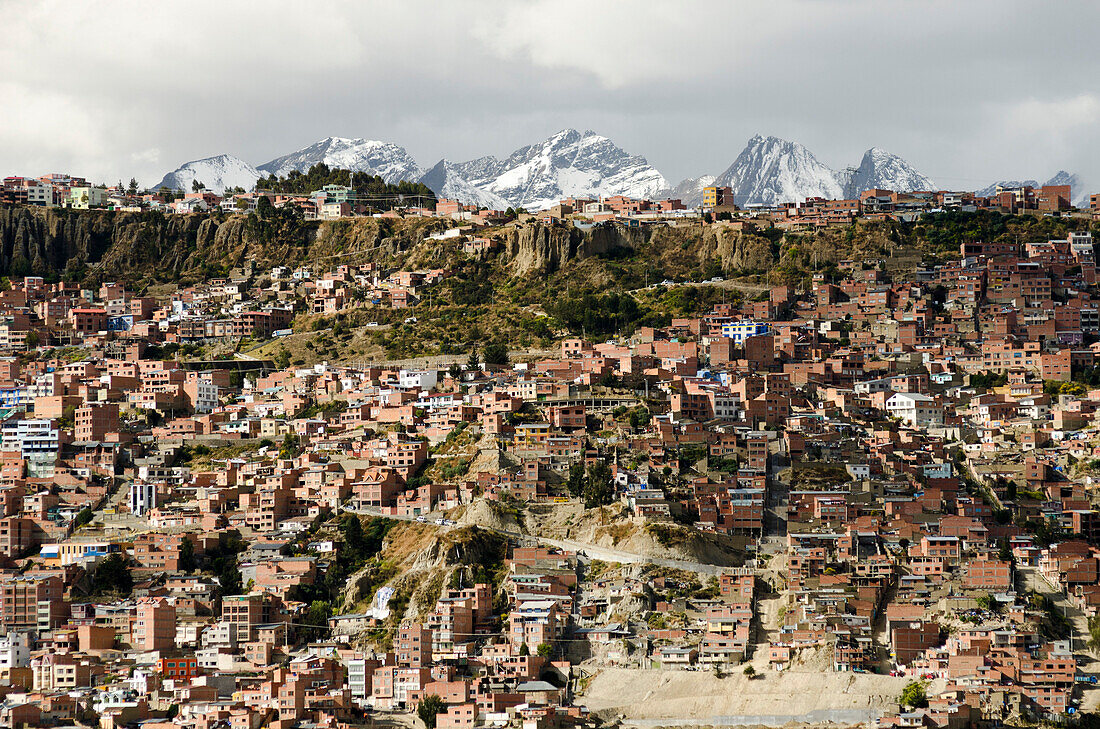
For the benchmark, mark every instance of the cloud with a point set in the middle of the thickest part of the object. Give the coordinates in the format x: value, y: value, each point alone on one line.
x: 111, y: 90
x: 1054, y: 116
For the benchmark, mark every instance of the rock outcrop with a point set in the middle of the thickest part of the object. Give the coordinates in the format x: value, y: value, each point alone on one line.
x: 158, y: 247
x: 56, y: 242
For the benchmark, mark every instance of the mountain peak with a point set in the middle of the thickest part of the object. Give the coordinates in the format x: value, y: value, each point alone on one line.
x: 446, y: 181
x: 880, y: 169
x: 770, y: 171
x: 217, y: 173
x: 389, y: 161
x: 567, y: 164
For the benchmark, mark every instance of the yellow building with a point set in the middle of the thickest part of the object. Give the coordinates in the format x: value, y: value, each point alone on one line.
x: 717, y: 197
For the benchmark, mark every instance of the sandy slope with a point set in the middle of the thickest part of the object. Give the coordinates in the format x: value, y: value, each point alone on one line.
x: 653, y: 697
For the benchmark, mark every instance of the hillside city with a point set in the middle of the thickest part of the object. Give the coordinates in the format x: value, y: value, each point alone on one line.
x: 865, y: 495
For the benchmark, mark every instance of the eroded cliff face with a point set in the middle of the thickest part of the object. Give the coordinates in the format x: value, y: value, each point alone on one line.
x: 156, y: 246
x: 544, y: 249
x: 540, y: 249
x: 59, y: 242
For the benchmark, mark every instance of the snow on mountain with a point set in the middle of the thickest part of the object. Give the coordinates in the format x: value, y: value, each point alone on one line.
x: 1079, y: 191
x: 388, y: 161
x: 770, y: 171
x: 445, y: 181
x: 991, y: 189
x: 880, y: 169
x: 690, y: 190
x: 568, y: 164
x: 217, y: 173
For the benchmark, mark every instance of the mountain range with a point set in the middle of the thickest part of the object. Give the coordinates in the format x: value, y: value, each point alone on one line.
x: 571, y: 163
x: 1079, y: 191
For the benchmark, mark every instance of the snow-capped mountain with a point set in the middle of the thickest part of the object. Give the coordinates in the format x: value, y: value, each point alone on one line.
x: 991, y: 189
x: 881, y: 169
x: 690, y: 190
x: 445, y: 181
x: 580, y: 164
x: 568, y: 164
x: 388, y: 161
x: 217, y: 173
x: 1079, y: 191
x: 771, y: 170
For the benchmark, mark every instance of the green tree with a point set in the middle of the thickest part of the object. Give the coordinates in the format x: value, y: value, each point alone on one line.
x: 264, y: 208
x: 353, y: 535
x: 318, y: 614
x: 112, y: 575
x: 229, y: 576
x: 428, y: 708
x: 598, y: 489
x: 196, y: 186
x: 84, y: 516
x: 1094, y: 632
x: 576, y: 479
x: 496, y: 353
x: 473, y: 362
x: 913, y: 695
x: 524, y: 650
x: 639, y: 417
x: 749, y: 672
x: 544, y: 650
x: 187, y: 555
x: 291, y: 447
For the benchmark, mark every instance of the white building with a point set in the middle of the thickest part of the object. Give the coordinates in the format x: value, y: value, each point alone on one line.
x: 40, y: 193
x: 727, y: 405
x: 15, y: 650
x: 915, y: 410
x: 359, y: 678
x: 206, y: 396
x: 418, y: 379
x: 36, y: 439
x: 143, y: 497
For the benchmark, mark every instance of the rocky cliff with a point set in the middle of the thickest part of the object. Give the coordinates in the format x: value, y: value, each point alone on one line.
x: 543, y: 249
x: 77, y: 244
x: 97, y: 244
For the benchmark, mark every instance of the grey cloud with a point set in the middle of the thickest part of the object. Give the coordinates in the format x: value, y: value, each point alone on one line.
x: 961, y: 90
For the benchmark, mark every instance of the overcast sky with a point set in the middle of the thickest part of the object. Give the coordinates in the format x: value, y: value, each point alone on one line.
x: 968, y: 92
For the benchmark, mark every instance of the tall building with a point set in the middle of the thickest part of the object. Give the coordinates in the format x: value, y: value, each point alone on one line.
x: 717, y: 197
x: 154, y: 627
x: 95, y: 420
x: 143, y: 497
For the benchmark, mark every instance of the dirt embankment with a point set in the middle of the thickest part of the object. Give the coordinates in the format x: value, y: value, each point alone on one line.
x: 489, y: 515
x: 418, y: 561
x: 612, y: 527
x: 653, y: 698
